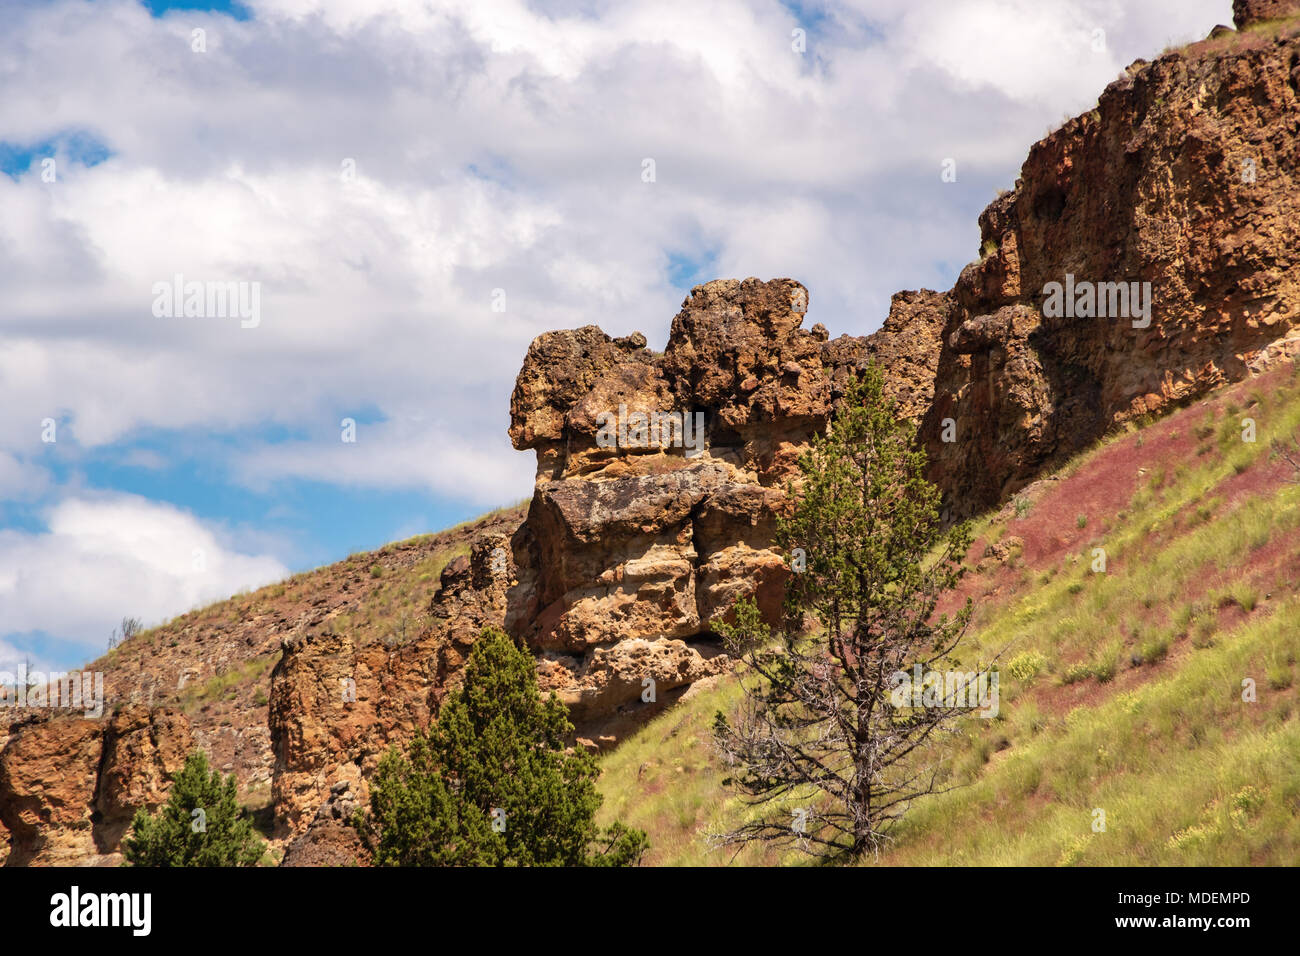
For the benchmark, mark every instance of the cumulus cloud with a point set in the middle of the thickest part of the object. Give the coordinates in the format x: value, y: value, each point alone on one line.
x: 101, y: 559
x: 390, y: 454
x: 496, y: 145
x: 20, y: 480
x: 380, y: 168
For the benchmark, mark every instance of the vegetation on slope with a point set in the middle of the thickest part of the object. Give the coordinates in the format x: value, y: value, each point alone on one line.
x: 493, y: 783
x: 1121, y: 691
x: 214, y: 663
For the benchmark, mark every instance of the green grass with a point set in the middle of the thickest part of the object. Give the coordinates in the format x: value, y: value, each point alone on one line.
x: 226, y: 684
x: 1162, y: 758
x: 666, y: 780
x: 1121, y: 691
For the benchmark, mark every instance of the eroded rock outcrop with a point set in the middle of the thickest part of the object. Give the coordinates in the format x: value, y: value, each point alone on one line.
x: 69, y: 785
x: 631, y: 551
x: 641, y: 542
x: 331, y: 840
x: 336, y: 707
x: 1183, y: 177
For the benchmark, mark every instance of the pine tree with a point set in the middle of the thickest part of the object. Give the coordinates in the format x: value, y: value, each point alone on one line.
x: 821, y: 744
x: 201, y: 824
x: 492, y: 783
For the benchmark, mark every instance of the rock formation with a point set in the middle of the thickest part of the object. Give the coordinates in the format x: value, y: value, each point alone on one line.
x: 629, y: 554
x: 1248, y: 12
x: 70, y: 785
x: 1184, y: 177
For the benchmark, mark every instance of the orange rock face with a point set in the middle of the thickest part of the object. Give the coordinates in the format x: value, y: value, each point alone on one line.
x: 70, y: 785
x: 1184, y: 177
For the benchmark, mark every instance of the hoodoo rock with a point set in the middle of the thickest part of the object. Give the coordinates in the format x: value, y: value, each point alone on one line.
x: 641, y: 543
x: 659, y: 483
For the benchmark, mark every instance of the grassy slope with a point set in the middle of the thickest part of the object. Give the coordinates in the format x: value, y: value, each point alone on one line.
x: 1127, y: 685
x: 380, y: 595
x: 215, y: 662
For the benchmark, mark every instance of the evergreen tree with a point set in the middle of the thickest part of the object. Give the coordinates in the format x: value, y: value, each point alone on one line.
x: 821, y: 743
x: 200, y: 825
x: 491, y: 783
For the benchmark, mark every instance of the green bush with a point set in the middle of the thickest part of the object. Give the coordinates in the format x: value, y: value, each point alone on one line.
x: 1104, y: 669
x: 1156, y: 649
x: 492, y: 782
x: 200, y: 825
x: 1076, y: 672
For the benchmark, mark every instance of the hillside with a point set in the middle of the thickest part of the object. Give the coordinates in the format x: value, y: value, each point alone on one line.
x: 213, y: 665
x: 1119, y: 690
x: 661, y: 476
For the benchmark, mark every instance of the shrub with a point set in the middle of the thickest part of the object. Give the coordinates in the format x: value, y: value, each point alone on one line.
x: 1076, y: 672
x: 492, y: 782
x: 1245, y: 596
x: 1156, y: 649
x: 200, y: 825
x: 1104, y: 669
x: 1203, y: 630
x: 1026, y: 666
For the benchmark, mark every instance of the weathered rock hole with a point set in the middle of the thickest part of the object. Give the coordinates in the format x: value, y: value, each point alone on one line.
x: 1049, y: 204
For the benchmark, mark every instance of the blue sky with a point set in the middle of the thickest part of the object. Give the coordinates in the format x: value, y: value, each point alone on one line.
x: 376, y: 171
x: 228, y: 8
x: 79, y: 147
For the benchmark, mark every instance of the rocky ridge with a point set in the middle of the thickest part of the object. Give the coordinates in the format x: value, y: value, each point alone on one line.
x: 1183, y: 177
x: 629, y: 555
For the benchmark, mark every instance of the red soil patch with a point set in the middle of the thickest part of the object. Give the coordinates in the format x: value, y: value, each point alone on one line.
x: 1059, y: 699
x: 1104, y: 485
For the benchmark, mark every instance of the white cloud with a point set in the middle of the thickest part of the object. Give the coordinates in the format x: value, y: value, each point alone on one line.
x: 391, y: 454
x: 20, y: 480
x: 16, y: 660
x: 497, y: 145
x: 102, y: 559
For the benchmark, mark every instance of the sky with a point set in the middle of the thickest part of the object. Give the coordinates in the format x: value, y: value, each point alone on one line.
x: 401, y: 194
